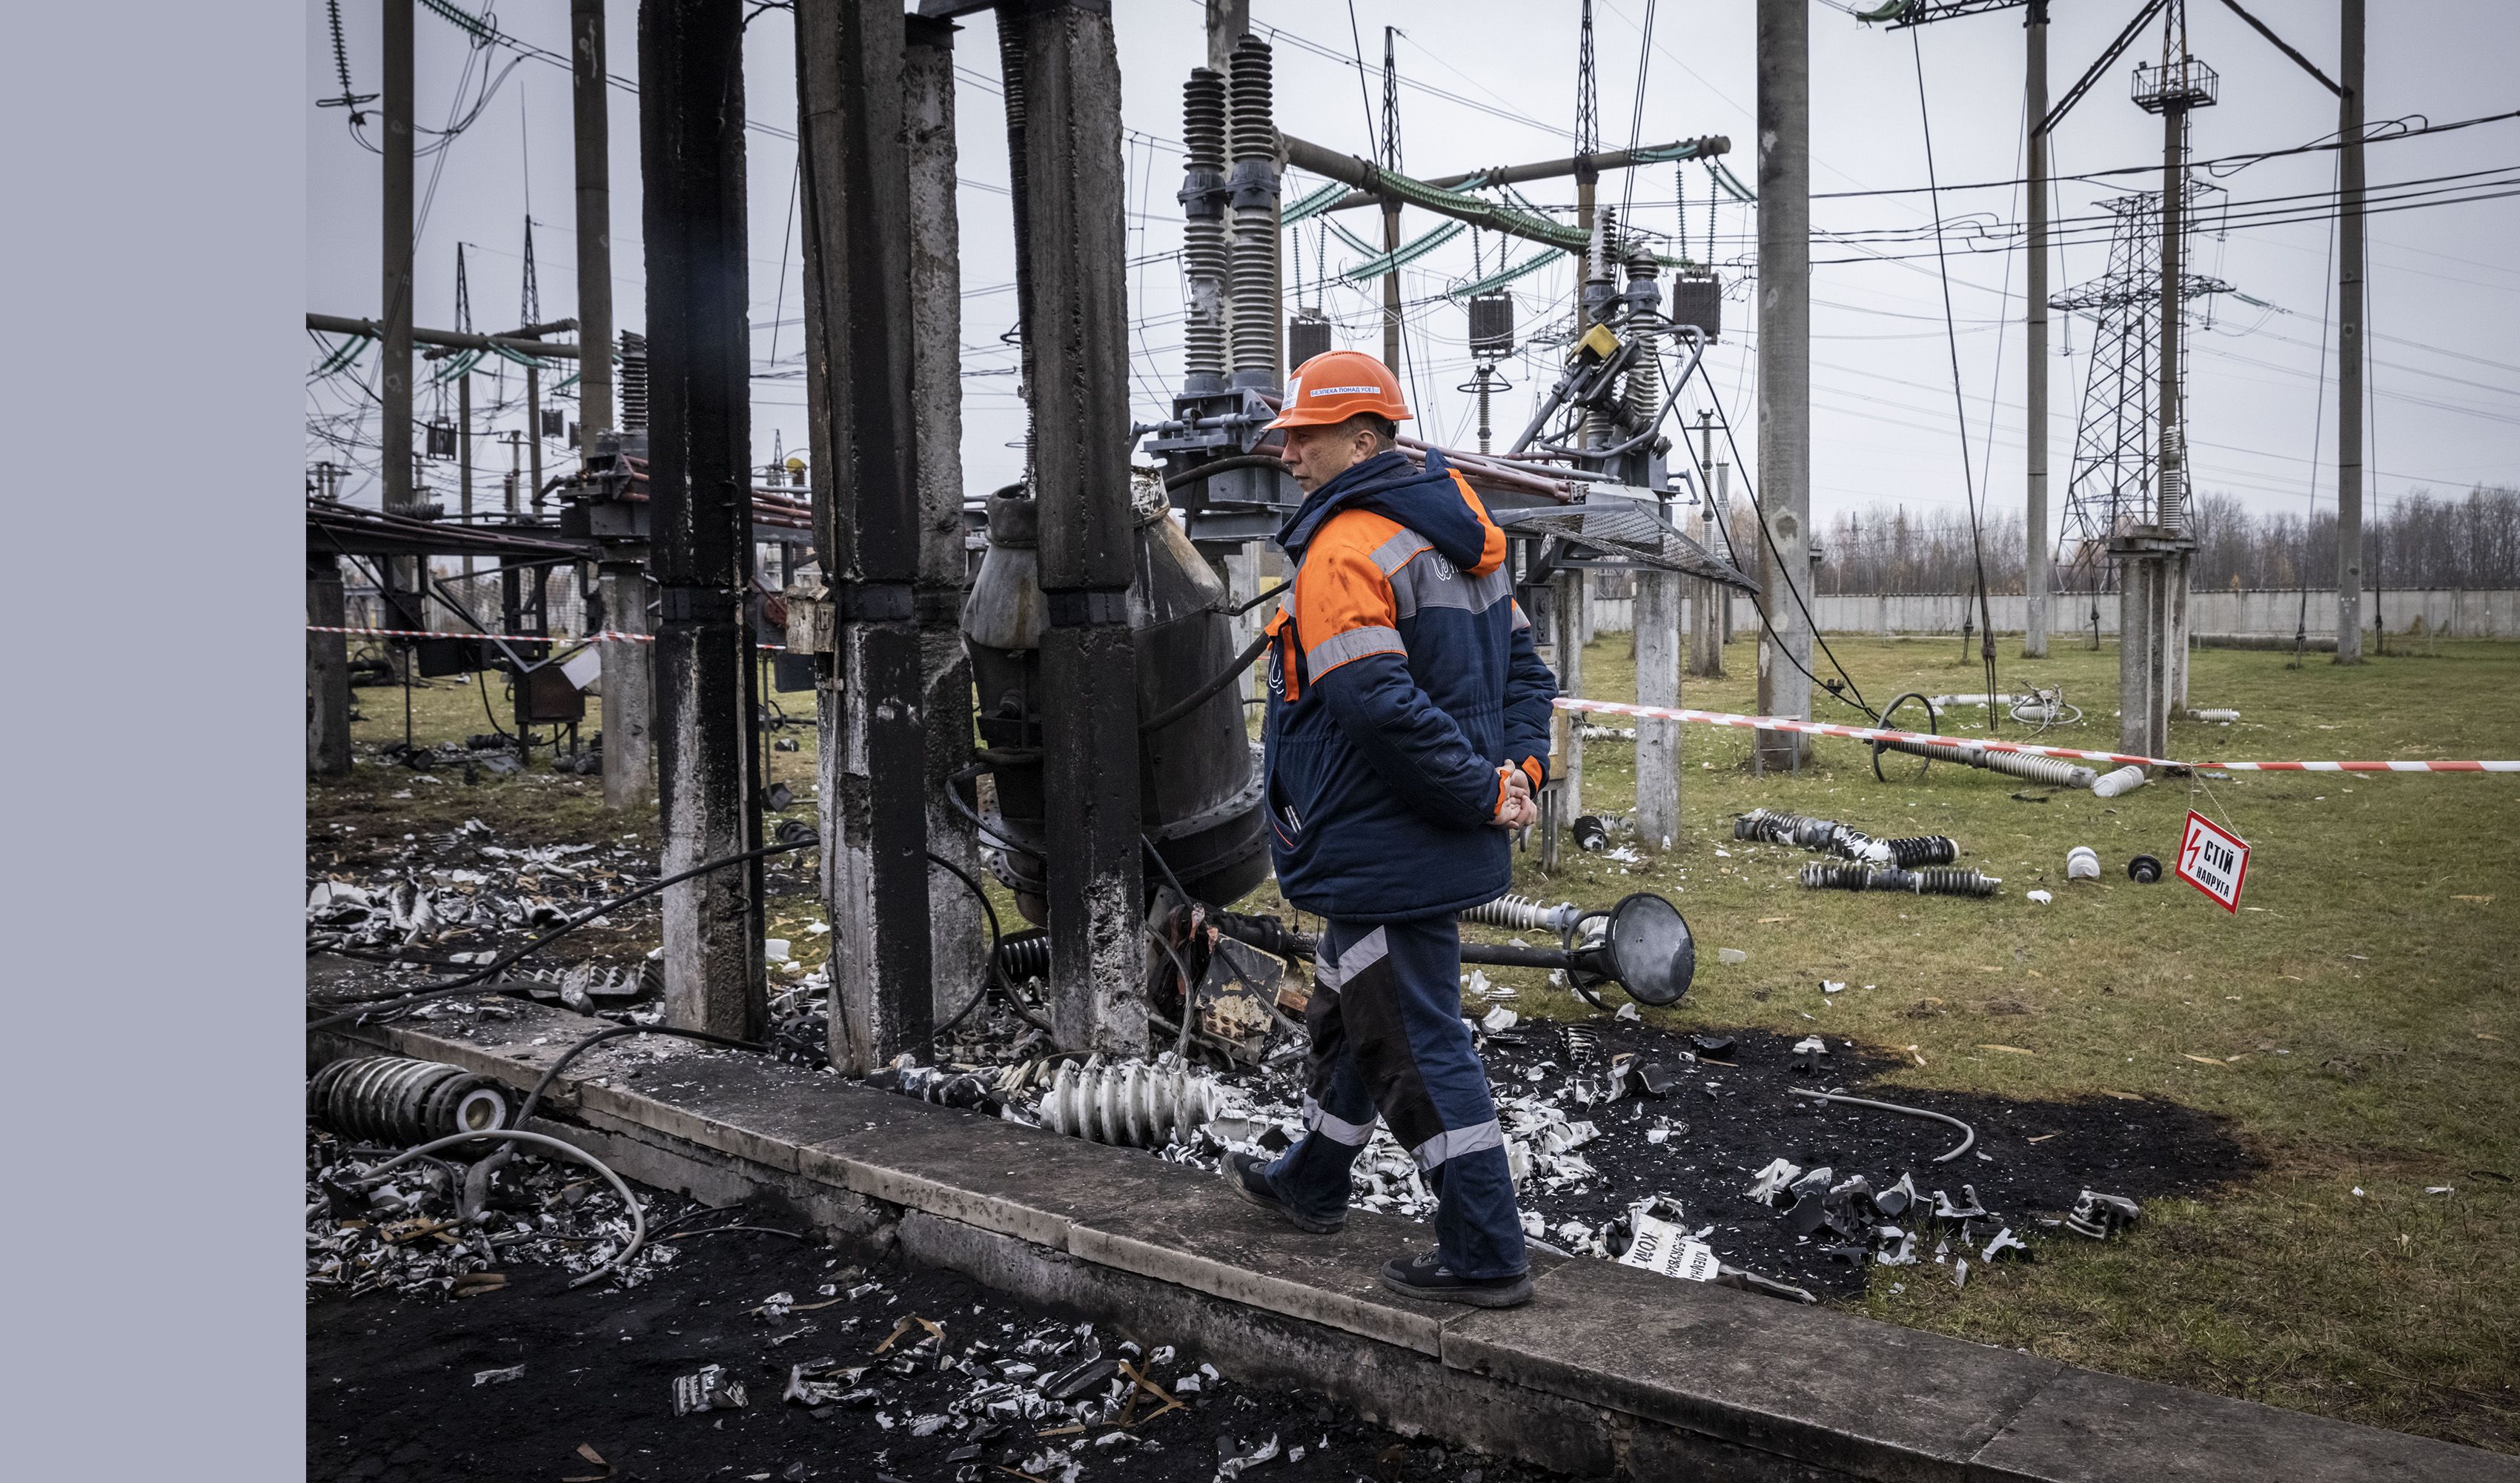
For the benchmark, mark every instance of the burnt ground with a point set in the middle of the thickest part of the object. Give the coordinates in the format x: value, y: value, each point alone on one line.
x: 391, y: 1395
x: 1728, y: 1115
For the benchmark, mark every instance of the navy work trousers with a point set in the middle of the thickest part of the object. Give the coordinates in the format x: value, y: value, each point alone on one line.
x: 1388, y: 1037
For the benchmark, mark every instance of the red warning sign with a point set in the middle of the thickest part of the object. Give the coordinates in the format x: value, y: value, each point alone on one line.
x: 2214, y: 860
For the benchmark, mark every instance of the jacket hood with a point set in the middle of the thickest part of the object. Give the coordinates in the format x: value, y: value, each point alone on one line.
x: 1427, y: 501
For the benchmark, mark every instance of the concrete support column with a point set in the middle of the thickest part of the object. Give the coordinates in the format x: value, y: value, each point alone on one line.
x: 1074, y: 242
x: 2175, y: 568
x: 629, y: 688
x: 1657, y: 631
x: 2349, y: 338
x: 690, y: 138
x: 1784, y: 111
x: 958, y: 945
x: 591, y: 105
x: 2034, y: 570
x: 328, y: 671
x: 2151, y: 570
x: 1567, y: 612
x: 868, y: 524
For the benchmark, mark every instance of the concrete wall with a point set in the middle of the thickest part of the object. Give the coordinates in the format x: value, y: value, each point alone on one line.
x: 2484, y: 614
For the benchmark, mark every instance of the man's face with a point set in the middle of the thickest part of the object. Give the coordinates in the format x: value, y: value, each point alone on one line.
x: 1315, y: 455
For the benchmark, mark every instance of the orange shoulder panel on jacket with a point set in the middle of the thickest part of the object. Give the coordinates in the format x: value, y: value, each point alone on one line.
x: 1342, y: 600
x: 1492, y: 554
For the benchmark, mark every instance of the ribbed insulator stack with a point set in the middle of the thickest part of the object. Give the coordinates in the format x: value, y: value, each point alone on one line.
x: 1207, y: 259
x: 633, y: 383
x: 1769, y: 826
x: 1644, y: 321
x: 1930, y: 880
x: 2055, y: 772
x: 397, y: 1100
x: 1600, y: 282
x: 1025, y: 955
x: 1132, y: 1104
x: 1253, y: 180
x: 1523, y: 914
x: 1922, y: 849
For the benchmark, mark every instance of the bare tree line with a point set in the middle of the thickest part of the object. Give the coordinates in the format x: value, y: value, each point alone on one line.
x: 2412, y: 540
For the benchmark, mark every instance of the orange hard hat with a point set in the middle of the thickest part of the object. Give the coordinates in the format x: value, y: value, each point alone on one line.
x: 1338, y: 385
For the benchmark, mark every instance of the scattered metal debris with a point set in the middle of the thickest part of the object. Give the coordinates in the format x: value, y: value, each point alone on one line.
x: 2102, y: 1216
x: 710, y: 1389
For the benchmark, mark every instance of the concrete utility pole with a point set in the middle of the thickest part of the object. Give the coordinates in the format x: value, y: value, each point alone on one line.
x: 464, y: 454
x: 957, y: 946
x: 690, y: 146
x: 629, y: 691
x: 1074, y: 242
x: 2034, y: 566
x: 2349, y: 342
x: 404, y: 605
x: 594, y: 232
x: 859, y: 370
x: 328, y: 670
x: 1785, y: 371
x: 1228, y: 21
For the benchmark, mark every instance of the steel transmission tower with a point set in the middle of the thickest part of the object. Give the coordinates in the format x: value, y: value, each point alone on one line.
x: 2114, y: 483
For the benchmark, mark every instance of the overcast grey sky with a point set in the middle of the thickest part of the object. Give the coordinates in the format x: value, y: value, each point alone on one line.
x: 1490, y: 82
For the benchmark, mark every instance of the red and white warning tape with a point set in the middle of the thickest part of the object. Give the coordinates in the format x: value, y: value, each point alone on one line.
x: 512, y: 638
x: 1994, y: 745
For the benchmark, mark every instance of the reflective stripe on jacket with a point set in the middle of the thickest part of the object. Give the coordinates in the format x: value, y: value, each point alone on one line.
x: 1402, y: 676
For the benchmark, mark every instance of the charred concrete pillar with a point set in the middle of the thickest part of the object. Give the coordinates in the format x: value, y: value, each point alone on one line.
x: 629, y: 693
x: 958, y: 946
x: 328, y: 671
x: 856, y: 211
x: 691, y: 148
x: 1073, y: 242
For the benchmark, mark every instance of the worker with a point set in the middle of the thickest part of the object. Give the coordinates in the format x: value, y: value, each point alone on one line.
x: 1406, y: 736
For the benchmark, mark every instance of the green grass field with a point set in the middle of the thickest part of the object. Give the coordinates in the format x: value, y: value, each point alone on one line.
x: 2354, y: 1022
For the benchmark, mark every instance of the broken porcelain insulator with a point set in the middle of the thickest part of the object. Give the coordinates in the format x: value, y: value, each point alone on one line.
x: 1130, y: 1104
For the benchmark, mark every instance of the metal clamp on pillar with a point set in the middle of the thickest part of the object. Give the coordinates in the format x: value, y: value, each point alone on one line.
x: 874, y: 602
x: 1091, y: 607
x: 682, y: 603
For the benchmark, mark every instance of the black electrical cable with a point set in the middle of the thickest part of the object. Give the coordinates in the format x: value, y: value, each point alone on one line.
x: 1239, y: 665
x: 1263, y: 598
x: 477, y: 1183
x: 1854, y: 694
x: 1950, y: 337
x: 1227, y: 465
x: 997, y: 970
x: 398, y: 997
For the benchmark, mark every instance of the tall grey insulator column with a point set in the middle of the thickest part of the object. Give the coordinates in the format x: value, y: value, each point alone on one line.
x: 1657, y: 594
x: 1601, y: 288
x: 1207, y: 331
x: 1253, y: 181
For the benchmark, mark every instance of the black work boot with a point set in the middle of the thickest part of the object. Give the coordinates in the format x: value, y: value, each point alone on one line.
x: 1426, y: 1277
x: 1247, y: 1174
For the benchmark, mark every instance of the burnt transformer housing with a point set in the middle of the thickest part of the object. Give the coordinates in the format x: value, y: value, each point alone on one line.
x: 1198, y: 777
